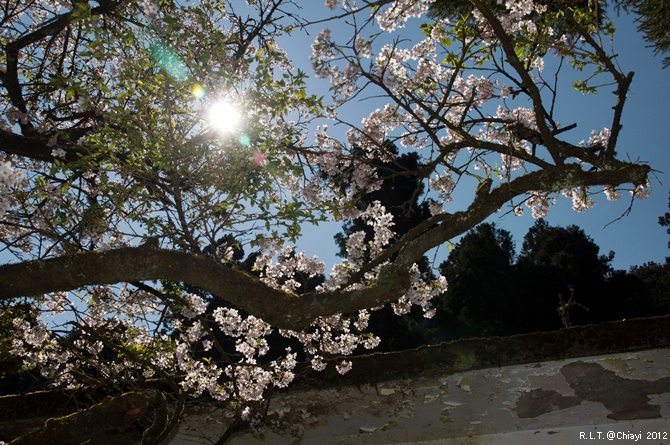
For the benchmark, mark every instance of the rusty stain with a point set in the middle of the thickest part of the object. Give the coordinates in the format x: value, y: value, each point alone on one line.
x: 626, y: 399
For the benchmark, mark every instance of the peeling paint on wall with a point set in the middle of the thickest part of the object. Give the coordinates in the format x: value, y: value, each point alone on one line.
x: 626, y: 398
x: 544, y: 401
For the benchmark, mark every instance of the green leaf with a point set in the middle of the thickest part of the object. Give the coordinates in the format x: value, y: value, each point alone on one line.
x: 583, y: 87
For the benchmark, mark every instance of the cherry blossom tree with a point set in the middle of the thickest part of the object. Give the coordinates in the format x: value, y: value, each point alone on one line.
x: 135, y: 136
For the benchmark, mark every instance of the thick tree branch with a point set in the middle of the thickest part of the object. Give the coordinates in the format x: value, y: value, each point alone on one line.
x: 554, y: 180
x: 137, y: 264
x: 113, y: 416
x: 35, y: 147
x: 242, y: 290
x: 279, y: 308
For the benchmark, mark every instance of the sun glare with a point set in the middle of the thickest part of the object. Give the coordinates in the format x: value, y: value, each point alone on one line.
x: 224, y: 116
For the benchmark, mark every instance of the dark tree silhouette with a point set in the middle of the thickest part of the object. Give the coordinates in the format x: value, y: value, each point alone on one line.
x: 558, y: 279
x: 480, y: 273
x: 665, y: 221
x: 653, y: 296
x: 566, y: 262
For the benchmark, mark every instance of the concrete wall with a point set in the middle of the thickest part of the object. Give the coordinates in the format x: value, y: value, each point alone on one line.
x: 577, y: 400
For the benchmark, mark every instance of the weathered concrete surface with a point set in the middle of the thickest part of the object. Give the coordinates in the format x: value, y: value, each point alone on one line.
x: 552, y: 402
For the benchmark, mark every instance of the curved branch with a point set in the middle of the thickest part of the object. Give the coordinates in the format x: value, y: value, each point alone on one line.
x: 137, y: 264
x: 279, y: 308
x: 444, y: 227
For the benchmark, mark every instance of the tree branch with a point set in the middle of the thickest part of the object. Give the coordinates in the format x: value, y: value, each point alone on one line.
x: 527, y: 82
x: 114, y: 414
x: 10, y: 78
x: 279, y: 308
x: 35, y: 147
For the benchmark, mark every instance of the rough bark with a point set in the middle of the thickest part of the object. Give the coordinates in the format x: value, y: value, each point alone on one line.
x: 101, y: 421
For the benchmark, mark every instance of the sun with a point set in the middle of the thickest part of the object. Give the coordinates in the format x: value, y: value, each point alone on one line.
x: 224, y: 116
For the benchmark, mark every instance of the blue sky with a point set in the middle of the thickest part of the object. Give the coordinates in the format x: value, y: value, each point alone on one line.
x: 636, y: 238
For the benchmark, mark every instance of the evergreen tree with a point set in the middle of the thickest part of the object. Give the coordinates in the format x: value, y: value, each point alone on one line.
x: 653, y: 19
x: 558, y: 279
x: 564, y: 262
x: 653, y: 297
x: 481, y: 295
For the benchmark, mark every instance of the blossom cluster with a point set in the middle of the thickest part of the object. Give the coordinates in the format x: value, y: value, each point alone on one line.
x: 399, y: 12
x: 539, y: 203
x: 10, y: 179
x: 334, y: 337
x: 600, y: 138
x: 420, y: 294
x: 281, y: 274
x: 517, y: 18
x: 39, y: 349
x: 444, y: 184
x: 194, y: 305
x: 581, y: 202
x: 642, y: 191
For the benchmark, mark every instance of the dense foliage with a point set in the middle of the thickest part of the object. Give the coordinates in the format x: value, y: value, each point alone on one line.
x: 144, y: 145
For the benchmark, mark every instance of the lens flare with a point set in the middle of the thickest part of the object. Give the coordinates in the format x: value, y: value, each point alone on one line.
x: 245, y: 140
x: 260, y: 159
x: 224, y: 116
x: 169, y: 60
x: 198, y: 90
